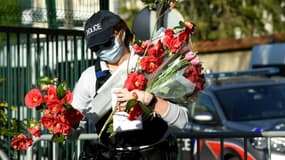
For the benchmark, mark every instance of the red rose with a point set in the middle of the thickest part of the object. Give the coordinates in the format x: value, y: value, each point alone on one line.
x: 21, y: 142
x: 33, y: 98
x: 56, y: 107
x: 61, y: 126
x: 193, y: 74
x: 167, y: 41
x: 156, y: 50
x: 68, y: 97
x: 73, y: 116
x: 135, y: 81
x: 173, y: 43
x: 169, y: 33
x: 35, y: 131
x: 183, y: 36
x: 200, y: 83
x: 51, y: 96
x: 135, y: 112
x: 150, y: 63
x: 48, y: 121
x: 140, y: 48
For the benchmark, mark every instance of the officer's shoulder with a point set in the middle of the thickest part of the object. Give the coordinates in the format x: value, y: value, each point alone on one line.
x: 89, y: 71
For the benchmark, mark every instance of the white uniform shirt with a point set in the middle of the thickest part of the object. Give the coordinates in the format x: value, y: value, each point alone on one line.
x: 85, y: 90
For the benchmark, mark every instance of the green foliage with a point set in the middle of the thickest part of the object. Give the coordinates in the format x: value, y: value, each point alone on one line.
x: 44, y: 80
x: 13, y: 124
x: 11, y: 12
x: 218, y: 19
x: 128, y: 14
x: 58, y: 138
x: 61, y: 89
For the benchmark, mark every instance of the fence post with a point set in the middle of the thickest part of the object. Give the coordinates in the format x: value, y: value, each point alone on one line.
x: 51, y: 14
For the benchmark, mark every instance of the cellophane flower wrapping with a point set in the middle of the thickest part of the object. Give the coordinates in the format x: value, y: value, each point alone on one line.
x: 175, y: 89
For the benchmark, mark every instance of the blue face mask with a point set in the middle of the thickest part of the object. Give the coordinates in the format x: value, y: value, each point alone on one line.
x: 112, y: 54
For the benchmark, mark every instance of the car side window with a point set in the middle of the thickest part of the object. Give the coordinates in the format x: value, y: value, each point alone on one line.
x: 203, y: 103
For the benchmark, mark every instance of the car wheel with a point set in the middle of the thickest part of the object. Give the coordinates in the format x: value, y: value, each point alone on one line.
x: 233, y: 158
x: 230, y: 154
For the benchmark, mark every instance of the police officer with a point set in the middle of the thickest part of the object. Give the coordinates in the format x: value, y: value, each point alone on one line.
x: 109, y: 37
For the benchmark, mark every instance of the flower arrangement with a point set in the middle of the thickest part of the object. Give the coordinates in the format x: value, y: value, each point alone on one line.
x: 58, y: 115
x: 168, y: 67
x: 166, y: 63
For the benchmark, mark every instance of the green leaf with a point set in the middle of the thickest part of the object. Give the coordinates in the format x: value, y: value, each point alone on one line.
x: 61, y: 89
x: 40, y: 108
x: 44, y: 80
x: 110, y: 129
x: 58, y: 138
x: 145, y: 109
x: 67, y: 106
x: 134, y: 102
x: 131, y: 103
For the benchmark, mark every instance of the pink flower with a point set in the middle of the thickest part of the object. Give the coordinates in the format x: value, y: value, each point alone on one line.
x: 193, y: 58
x: 190, y: 55
x: 195, y: 61
x: 189, y: 27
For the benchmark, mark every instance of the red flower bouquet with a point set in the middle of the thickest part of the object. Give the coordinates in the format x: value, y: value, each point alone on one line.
x: 168, y: 64
x: 58, y: 115
x: 167, y: 67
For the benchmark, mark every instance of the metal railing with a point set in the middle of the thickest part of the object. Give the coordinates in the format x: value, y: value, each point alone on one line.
x: 48, y: 137
x: 221, y: 136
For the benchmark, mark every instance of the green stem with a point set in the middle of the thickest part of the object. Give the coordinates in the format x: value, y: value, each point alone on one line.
x: 169, y: 72
x: 107, y: 121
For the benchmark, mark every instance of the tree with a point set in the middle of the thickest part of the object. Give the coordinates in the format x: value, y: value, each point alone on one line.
x: 11, y: 12
x: 219, y: 19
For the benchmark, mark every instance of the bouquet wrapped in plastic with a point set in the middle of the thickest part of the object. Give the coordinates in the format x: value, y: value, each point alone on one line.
x: 167, y: 67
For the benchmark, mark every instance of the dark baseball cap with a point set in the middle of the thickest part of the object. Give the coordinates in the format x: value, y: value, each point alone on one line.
x: 99, y: 27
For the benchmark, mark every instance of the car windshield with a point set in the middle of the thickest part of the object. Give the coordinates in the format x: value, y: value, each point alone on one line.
x: 253, y: 103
